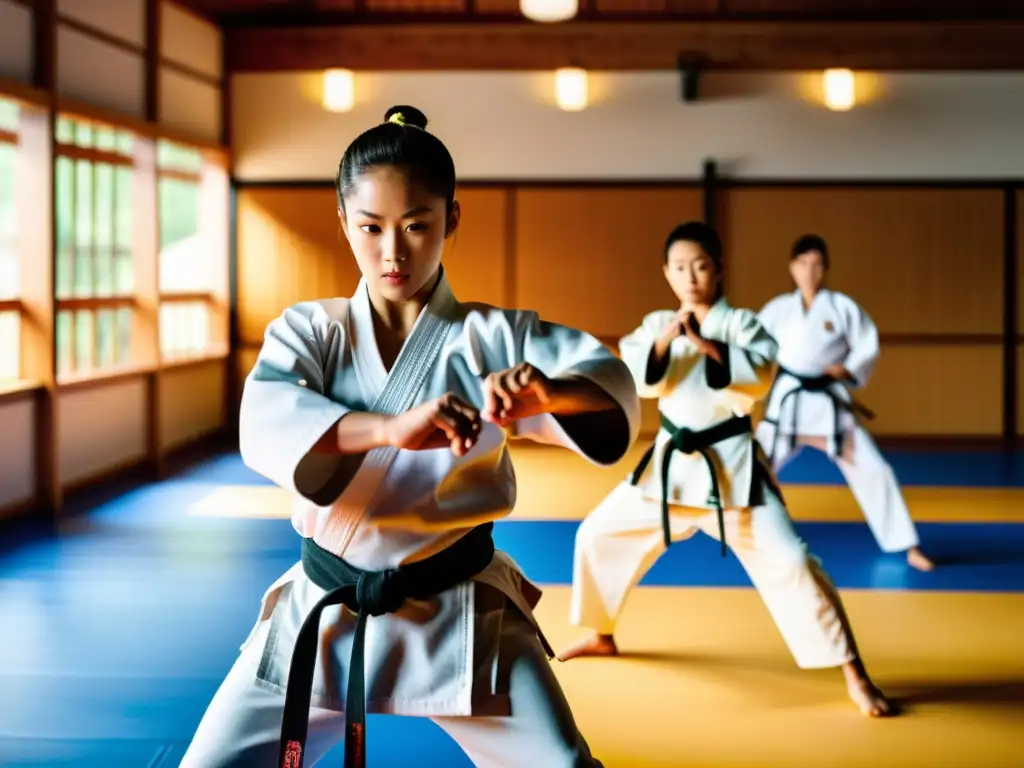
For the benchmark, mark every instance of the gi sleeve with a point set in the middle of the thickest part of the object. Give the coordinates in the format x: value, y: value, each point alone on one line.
x: 862, y: 338
x: 749, y: 350
x: 285, y: 411
x: 559, y: 352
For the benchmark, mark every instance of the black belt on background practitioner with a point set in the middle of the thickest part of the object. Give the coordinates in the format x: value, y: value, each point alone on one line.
x: 365, y: 593
x: 691, y: 441
x: 820, y: 384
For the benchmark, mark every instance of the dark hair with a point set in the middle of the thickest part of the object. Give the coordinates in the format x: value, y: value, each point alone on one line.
x: 699, y: 233
x: 401, y: 140
x: 806, y: 244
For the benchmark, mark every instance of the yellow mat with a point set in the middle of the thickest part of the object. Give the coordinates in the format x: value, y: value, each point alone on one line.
x: 705, y: 680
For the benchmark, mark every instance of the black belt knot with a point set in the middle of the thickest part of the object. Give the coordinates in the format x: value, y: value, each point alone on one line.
x: 380, y: 592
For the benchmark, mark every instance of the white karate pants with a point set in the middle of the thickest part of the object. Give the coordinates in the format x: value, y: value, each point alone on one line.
x: 870, y: 477
x: 622, y: 538
x: 242, y: 725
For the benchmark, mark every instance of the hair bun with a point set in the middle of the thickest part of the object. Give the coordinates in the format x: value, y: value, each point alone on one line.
x: 410, y: 116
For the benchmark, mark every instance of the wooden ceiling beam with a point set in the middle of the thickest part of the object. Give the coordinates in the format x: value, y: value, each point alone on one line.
x: 749, y: 46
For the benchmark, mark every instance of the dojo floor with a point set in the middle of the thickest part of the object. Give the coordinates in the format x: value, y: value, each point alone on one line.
x: 116, y: 632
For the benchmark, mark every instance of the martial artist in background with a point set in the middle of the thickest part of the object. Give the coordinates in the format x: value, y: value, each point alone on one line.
x: 827, y: 345
x: 709, y: 365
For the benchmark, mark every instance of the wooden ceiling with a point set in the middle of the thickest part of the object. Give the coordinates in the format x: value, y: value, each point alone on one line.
x: 301, y: 12
x: 278, y: 35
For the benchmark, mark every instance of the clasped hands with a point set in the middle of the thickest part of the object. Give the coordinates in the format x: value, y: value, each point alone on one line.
x: 687, y: 322
x: 449, y: 421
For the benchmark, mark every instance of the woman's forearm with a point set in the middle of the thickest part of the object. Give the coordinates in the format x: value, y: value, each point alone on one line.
x: 576, y: 395
x: 355, y: 433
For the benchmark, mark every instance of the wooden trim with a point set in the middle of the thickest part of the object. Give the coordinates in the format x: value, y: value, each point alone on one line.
x: 102, y: 35
x: 709, y: 189
x: 193, y: 360
x: 197, y: 15
x: 76, y: 108
x: 195, y: 74
x: 26, y: 94
x: 102, y: 377
x: 1011, y: 298
x: 232, y: 383
x: 127, y: 471
x: 152, y: 63
x: 8, y: 137
x: 22, y: 389
x: 651, y: 44
x: 867, y: 183
x: 18, y: 508
x: 95, y: 302
x: 94, y: 155
x: 940, y: 339
x: 178, y: 298
x: 173, y: 173
x: 932, y: 442
x: 11, y: 305
x: 44, y: 46
x: 721, y: 183
x: 511, y: 274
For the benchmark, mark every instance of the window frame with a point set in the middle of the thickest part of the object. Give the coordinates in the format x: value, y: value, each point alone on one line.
x: 116, y: 301
x: 214, y: 301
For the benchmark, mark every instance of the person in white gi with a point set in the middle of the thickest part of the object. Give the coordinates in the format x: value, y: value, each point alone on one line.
x: 827, y: 345
x: 388, y: 416
x: 709, y: 365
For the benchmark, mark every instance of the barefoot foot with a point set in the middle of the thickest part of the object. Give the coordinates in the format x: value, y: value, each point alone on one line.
x: 595, y: 645
x: 917, y: 559
x: 869, y: 699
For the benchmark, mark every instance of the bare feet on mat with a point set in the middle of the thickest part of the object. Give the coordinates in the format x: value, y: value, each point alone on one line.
x: 918, y: 559
x: 865, y: 694
x: 595, y: 645
x: 869, y: 699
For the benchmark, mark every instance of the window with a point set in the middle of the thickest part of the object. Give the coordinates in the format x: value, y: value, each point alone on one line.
x: 10, y: 305
x: 95, y: 273
x: 187, y: 260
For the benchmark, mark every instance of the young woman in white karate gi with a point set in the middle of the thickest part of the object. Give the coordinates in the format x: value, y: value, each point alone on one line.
x: 709, y: 365
x: 827, y: 344
x: 388, y: 414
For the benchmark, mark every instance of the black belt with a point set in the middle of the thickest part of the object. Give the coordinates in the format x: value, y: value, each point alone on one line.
x: 365, y: 593
x: 820, y: 384
x: 690, y: 441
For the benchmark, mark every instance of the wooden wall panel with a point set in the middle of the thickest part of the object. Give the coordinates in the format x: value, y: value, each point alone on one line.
x: 592, y: 257
x: 1020, y: 269
x: 1020, y: 390
x: 477, y: 257
x: 921, y: 261
x: 18, y: 454
x: 102, y: 429
x: 937, y: 390
x: 290, y: 249
x: 192, y: 402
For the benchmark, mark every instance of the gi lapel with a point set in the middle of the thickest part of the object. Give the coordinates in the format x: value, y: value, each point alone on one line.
x: 392, y: 393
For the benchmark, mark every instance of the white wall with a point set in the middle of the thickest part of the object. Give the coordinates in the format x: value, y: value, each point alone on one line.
x: 506, y: 126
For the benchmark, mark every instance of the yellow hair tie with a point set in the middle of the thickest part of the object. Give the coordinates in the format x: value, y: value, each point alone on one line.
x: 398, y: 118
